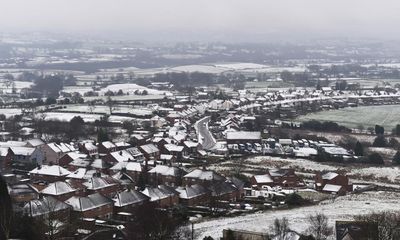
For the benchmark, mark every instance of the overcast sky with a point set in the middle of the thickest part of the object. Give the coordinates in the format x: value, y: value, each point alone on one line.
x: 228, y: 20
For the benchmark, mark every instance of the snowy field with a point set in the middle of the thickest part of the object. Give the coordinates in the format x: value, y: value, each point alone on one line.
x: 66, y: 117
x: 362, y: 173
x: 200, y: 68
x: 343, y: 208
x: 10, y: 112
x: 368, y: 116
x: 105, y: 110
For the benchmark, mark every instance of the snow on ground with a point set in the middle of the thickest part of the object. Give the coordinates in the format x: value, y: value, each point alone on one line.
x: 373, y: 174
x: 343, y: 208
x: 66, y: 117
x: 106, y: 110
x: 200, y: 68
x: 368, y: 116
x: 130, y: 88
x: 10, y: 112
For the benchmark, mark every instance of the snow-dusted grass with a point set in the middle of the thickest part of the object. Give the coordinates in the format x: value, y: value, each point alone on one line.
x: 256, y: 165
x: 10, y: 112
x: 66, y: 117
x: 344, y: 208
x: 368, y: 116
x: 105, y: 109
x: 130, y: 88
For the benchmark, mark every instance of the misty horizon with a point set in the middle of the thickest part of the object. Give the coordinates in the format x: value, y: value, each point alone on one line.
x: 223, y: 20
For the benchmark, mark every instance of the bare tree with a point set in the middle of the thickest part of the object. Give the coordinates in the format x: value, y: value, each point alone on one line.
x: 110, y: 104
x: 319, y: 227
x: 280, y: 229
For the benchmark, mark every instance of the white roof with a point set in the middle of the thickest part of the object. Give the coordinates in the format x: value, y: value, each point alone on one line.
x: 53, y: 170
x: 173, y: 148
x: 25, y: 151
x: 78, y: 174
x: 57, y: 188
x: 329, y: 175
x: 266, y: 178
x: 331, y: 188
x: 245, y: 135
x: 129, y: 166
x: 108, y: 144
x: 122, y: 156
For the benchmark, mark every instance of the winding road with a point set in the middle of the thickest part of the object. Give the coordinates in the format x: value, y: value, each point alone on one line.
x: 204, y: 135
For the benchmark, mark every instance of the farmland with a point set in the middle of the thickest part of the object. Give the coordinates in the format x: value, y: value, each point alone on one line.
x: 368, y: 116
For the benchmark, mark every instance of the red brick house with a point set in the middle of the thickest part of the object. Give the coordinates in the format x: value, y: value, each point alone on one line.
x: 150, y: 151
x: 163, y: 196
x: 106, y: 147
x: 106, y: 186
x: 278, y: 177
x: 92, y: 206
x: 166, y: 175
x: 48, y: 173
x: 333, y: 183
x: 193, y: 195
x: 59, y: 190
x: 129, y: 200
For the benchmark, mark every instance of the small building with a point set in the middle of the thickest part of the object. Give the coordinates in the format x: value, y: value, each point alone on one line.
x: 332, y: 182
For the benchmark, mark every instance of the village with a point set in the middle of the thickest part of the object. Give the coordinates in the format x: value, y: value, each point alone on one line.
x: 170, y: 161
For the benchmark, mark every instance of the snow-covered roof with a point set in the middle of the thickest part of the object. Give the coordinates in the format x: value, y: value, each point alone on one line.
x: 173, y: 148
x: 204, y: 175
x: 266, y: 178
x: 166, y: 170
x: 82, y: 204
x: 58, y: 188
x: 149, y: 148
x: 24, y: 151
x: 108, y: 144
x: 129, y: 166
x: 191, y: 191
x: 95, y: 183
x: 128, y: 197
x: 53, y: 170
x: 329, y: 176
x: 331, y: 188
x: 43, y: 206
x: 158, y: 193
x: 243, y: 135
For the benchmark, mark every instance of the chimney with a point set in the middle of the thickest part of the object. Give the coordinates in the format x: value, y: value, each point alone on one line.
x: 120, y: 153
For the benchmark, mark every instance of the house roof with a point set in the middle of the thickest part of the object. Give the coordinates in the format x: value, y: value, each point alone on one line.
x: 82, y: 204
x: 58, y: 188
x: 204, y: 175
x: 158, y: 193
x: 265, y: 178
x: 331, y: 188
x: 95, y: 183
x: 35, y: 142
x: 173, y: 148
x: 243, y: 135
x: 53, y: 170
x: 108, y: 144
x: 221, y: 188
x: 44, y: 205
x: 22, y: 151
x: 329, y: 176
x: 167, y: 171
x: 129, y: 197
x: 192, y: 191
x: 149, y: 148
x: 129, y: 166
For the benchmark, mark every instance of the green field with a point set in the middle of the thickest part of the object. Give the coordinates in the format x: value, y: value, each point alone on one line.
x: 385, y: 115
